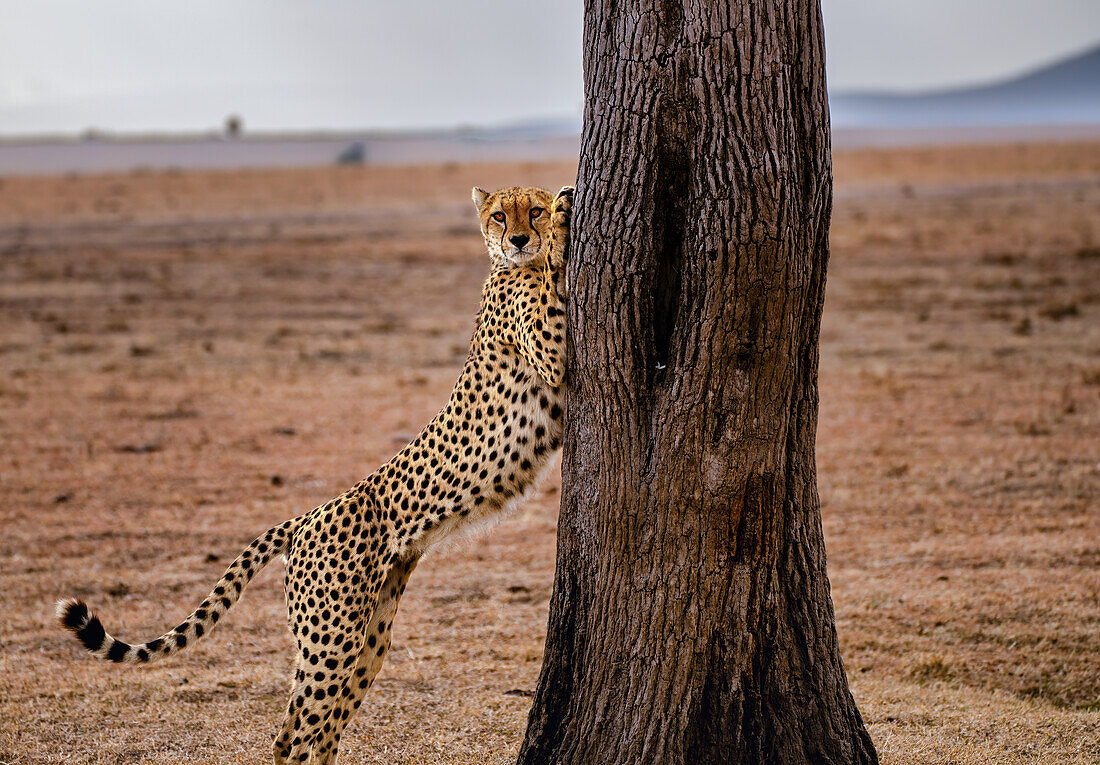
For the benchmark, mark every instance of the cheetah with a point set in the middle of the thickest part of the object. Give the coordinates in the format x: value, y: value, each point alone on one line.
x: 348, y: 561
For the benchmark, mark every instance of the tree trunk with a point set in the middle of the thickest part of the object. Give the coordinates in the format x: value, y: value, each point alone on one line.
x: 691, y: 620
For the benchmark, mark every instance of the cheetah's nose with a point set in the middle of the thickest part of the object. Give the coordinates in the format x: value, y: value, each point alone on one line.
x: 519, y: 239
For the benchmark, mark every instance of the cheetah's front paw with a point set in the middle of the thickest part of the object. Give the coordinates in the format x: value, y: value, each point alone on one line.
x: 561, y: 214
x: 563, y: 207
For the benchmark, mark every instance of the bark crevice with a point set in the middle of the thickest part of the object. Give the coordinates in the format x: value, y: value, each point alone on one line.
x: 672, y: 177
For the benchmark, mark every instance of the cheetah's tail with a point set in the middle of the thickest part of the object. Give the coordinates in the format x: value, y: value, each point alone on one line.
x: 75, y: 616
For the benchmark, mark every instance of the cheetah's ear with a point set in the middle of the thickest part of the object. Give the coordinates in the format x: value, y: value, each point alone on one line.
x: 479, y: 195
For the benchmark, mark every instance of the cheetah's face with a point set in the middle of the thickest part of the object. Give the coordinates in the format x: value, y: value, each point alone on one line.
x: 515, y: 223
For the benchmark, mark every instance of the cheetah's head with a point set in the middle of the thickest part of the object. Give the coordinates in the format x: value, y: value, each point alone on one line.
x: 516, y: 224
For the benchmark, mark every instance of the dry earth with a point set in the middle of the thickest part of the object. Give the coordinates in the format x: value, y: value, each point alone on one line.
x: 188, y: 358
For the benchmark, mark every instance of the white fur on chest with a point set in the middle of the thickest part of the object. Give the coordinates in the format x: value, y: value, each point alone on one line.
x: 484, y: 517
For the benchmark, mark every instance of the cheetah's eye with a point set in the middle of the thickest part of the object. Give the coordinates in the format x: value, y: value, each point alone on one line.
x: 536, y: 212
x: 498, y: 217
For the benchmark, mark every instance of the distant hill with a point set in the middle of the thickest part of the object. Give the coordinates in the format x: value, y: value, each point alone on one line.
x: 1057, y: 102
x: 1066, y: 92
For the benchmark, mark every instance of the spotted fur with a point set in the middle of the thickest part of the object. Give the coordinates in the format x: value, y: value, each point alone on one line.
x: 348, y: 561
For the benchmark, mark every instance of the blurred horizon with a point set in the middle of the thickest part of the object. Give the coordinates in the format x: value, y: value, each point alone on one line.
x: 69, y: 68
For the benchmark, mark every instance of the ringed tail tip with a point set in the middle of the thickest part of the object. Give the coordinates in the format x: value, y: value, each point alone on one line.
x: 76, y: 618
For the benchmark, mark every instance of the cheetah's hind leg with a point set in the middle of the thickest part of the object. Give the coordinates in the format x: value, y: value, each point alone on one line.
x: 328, y: 621
x: 314, y: 704
x: 376, y: 644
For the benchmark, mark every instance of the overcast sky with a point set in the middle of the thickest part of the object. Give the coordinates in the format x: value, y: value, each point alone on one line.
x: 66, y: 65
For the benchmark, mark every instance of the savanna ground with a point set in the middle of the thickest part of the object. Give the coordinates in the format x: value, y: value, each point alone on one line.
x: 188, y: 358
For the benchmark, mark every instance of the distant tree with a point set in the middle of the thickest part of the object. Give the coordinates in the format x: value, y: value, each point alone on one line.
x: 691, y: 620
x: 234, y: 125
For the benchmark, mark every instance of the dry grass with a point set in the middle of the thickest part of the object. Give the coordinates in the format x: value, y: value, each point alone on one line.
x: 188, y: 358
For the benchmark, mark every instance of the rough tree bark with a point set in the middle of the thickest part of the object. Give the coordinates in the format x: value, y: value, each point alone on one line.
x: 691, y: 620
